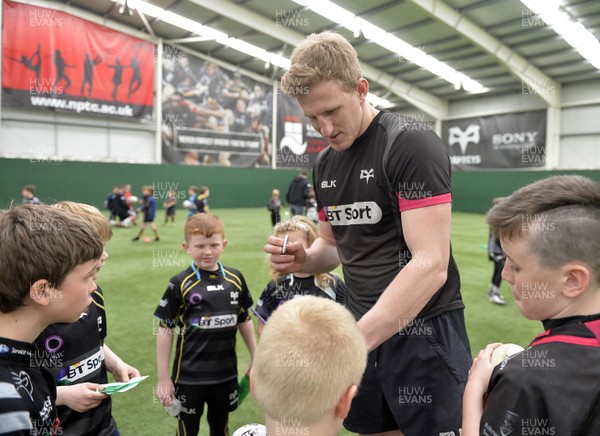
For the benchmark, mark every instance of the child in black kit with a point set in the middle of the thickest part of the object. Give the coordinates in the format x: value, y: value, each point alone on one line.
x: 496, y: 255
x: 207, y: 303
x: 47, y: 269
x: 283, y: 288
x: 274, y: 207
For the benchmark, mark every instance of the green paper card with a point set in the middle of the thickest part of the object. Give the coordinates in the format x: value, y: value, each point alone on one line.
x: 111, y: 388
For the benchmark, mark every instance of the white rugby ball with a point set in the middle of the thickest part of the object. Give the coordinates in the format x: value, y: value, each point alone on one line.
x: 133, y: 199
x: 504, y: 351
x: 251, y: 430
x: 187, y: 203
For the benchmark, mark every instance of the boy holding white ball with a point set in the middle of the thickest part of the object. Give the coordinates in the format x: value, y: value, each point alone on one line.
x: 550, y: 233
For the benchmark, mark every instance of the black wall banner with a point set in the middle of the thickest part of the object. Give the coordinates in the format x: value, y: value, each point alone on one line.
x: 516, y: 140
x: 211, y: 115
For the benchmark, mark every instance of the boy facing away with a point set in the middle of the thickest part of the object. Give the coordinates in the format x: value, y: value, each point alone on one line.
x: 550, y: 234
x: 78, y: 356
x: 48, y: 263
x: 149, y: 209
x: 208, y: 303
x: 308, y: 365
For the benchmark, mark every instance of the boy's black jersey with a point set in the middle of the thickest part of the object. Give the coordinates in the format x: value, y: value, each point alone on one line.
x: 27, y: 393
x: 551, y: 388
x: 206, y: 307
x: 120, y: 206
x: 362, y: 192
x: 74, y: 353
x: 275, y: 294
x: 148, y: 207
x: 201, y: 204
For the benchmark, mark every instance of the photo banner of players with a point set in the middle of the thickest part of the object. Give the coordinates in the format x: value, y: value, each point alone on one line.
x: 516, y: 140
x: 211, y: 115
x: 55, y: 61
x: 298, y: 144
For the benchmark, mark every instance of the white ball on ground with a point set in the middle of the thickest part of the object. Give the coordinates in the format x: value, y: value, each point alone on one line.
x: 251, y: 430
x: 187, y: 203
x: 504, y: 351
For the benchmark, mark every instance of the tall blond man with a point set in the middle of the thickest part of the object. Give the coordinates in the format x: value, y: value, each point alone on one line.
x: 384, y: 200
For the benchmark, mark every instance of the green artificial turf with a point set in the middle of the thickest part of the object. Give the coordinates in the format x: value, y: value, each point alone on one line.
x: 136, y: 274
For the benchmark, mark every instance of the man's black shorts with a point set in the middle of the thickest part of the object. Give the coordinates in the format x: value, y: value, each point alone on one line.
x: 415, y: 380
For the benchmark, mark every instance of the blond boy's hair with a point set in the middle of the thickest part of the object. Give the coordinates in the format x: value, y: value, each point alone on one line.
x: 321, y: 57
x: 307, y: 227
x: 205, y: 224
x: 40, y: 243
x: 310, y: 352
x: 91, y: 215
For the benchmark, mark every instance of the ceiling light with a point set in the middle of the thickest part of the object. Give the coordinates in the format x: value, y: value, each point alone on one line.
x: 573, y: 32
x: 390, y: 42
x: 124, y: 9
x: 146, y: 8
x: 378, y: 101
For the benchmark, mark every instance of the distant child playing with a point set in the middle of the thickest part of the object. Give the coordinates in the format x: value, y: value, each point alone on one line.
x: 193, y: 195
x: 496, y: 255
x: 170, y: 205
x: 283, y: 288
x: 29, y: 197
x: 207, y: 303
x: 274, y: 206
x: 201, y: 202
x: 149, y: 209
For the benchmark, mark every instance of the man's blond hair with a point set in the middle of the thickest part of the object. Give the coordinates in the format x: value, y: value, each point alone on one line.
x: 310, y: 352
x: 321, y: 57
x: 89, y: 214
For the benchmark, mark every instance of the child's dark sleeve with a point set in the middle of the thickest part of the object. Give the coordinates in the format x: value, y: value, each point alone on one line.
x: 512, y: 401
x: 168, y: 310
x: 267, y: 302
x: 14, y: 416
x: 152, y: 206
x: 340, y: 290
x: 245, y: 302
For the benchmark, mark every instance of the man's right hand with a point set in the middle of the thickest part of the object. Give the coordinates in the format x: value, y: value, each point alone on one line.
x: 291, y: 261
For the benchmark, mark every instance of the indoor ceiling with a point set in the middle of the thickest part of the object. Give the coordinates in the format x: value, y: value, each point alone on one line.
x: 277, y: 25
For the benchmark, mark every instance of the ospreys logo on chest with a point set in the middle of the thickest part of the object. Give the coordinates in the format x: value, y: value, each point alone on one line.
x: 361, y: 212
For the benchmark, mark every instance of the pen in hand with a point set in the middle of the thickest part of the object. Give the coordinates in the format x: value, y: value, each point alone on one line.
x: 285, y: 241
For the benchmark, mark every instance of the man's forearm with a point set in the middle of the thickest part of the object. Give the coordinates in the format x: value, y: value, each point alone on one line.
x: 402, y: 301
x: 322, y: 257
